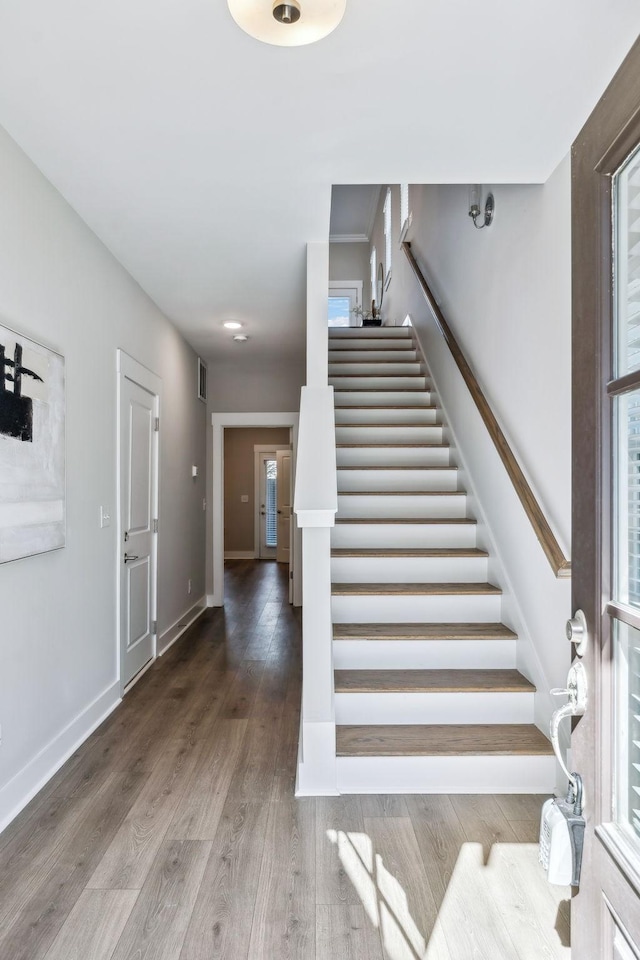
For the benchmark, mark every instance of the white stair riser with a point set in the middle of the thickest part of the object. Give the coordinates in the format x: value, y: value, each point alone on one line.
x: 403, y: 535
x: 369, y: 333
x: 397, y: 345
x: 382, y: 398
x: 393, y: 456
x: 446, y: 774
x: 378, y: 383
x: 396, y: 708
x: 444, y: 479
x: 406, y: 505
x: 424, y: 654
x: 362, y: 355
x: 386, y: 415
x: 484, y: 608
x: 409, y: 569
x: 419, y: 433
x: 402, y: 368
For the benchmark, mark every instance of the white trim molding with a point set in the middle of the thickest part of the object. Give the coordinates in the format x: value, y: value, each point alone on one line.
x: 181, y: 625
x: 219, y: 422
x: 17, y: 793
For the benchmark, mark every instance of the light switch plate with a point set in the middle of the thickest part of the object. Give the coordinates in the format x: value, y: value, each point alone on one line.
x: 105, y: 517
x: 244, y: 498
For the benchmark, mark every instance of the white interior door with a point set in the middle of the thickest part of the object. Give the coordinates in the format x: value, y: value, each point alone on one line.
x: 138, y: 501
x: 284, y: 504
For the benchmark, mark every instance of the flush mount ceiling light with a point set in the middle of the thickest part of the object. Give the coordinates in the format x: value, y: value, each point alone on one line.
x: 291, y: 24
x: 240, y: 338
x: 232, y: 324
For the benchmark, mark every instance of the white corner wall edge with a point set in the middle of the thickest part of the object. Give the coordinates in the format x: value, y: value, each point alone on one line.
x: 182, y: 624
x: 316, y: 777
x: 23, y: 787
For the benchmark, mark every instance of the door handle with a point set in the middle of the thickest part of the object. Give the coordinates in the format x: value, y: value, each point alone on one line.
x: 130, y: 556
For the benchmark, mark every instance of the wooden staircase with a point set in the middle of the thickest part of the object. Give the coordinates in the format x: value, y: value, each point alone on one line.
x: 427, y: 696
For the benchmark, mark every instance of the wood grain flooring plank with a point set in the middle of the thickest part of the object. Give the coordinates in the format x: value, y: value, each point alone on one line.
x: 520, y: 806
x: 220, y: 926
x: 483, y: 821
x: 407, y: 910
x: 158, y: 923
x: 127, y: 861
x: 440, y: 837
x: 254, y: 773
x: 242, y: 691
x: 93, y: 928
x: 29, y: 931
x: 344, y: 932
x: 473, y: 928
x: 199, y: 811
x: 383, y: 805
x: 528, y: 909
x: 526, y: 831
x: 339, y: 869
x: 285, y: 913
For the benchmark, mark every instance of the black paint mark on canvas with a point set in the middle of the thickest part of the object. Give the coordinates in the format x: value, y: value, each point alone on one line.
x: 16, y: 411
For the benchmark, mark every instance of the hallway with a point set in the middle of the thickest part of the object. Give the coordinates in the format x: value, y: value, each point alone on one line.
x: 173, y: 832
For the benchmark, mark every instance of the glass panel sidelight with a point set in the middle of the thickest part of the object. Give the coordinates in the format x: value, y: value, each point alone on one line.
x: 271, y: 505
x: 627, y: 461
x: 627, y: 265
x: 627, y: 793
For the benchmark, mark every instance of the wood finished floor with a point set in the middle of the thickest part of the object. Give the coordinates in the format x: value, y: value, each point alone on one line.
x: 173, y: 832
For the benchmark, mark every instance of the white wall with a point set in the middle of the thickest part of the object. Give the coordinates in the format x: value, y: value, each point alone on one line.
x: 59, y: 285
x: 349, y: 261
x: 506, y: 293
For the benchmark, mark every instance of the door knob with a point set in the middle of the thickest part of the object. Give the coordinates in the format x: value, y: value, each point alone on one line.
x: 578, y: 633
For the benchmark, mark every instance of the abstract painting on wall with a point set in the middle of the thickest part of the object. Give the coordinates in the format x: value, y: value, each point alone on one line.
x: 32, y: 447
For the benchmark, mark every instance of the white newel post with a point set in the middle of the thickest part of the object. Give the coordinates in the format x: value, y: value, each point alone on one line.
x: 315, y: 506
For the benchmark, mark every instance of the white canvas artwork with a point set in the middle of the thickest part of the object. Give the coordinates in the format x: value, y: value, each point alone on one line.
x: 32, y: 448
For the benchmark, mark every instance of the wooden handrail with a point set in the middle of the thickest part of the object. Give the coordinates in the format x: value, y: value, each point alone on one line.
x: 553, y: 552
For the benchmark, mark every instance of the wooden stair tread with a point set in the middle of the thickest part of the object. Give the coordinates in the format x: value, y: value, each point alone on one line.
x: 374, y: 360
x: 405, y: 520
x: 376, y: 376
x: 389, y: 406
x: 400, y: 446
x: 431, y: 681
x: 378, y: 466
x: 381, y: 390
x: 413, y: 589
x: 391, y: 426
x: 408, y: 552
x: 422, y: 631
x: 402, y: 493
x: 443, y: 740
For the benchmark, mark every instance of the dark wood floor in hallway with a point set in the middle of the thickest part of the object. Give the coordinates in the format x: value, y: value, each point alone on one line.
x: 173, y: 833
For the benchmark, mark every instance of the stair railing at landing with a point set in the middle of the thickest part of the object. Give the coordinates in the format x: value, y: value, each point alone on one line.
x: 560, y: 564
x: 315, y: 505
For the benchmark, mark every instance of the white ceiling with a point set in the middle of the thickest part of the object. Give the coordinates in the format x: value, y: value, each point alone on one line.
x: 204, y: 159
x: 353, y: 212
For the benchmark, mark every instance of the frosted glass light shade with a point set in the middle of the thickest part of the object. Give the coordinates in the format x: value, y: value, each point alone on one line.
x: 318, y: 19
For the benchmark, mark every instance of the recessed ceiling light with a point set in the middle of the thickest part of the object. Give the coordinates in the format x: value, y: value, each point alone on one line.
x: 240, y: 337
x: 232, y: 324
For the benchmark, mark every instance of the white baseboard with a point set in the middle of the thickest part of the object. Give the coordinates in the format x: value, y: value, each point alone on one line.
x: 239, y: 555
x: 175, y: 631
x: 17, y: 793
x: 211, y: 600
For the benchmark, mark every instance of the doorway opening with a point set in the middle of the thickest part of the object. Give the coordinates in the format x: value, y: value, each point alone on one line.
x: 246, y: 485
